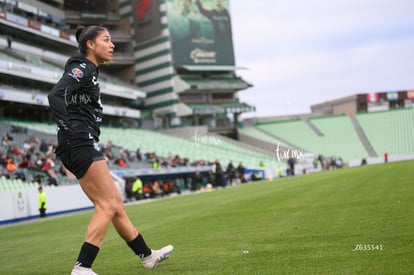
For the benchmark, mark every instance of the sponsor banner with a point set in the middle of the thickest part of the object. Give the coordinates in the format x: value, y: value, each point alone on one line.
x: 200, y: 32
x: 35, y: 25
x: 146, y: 19
x: 372, y: 97
x: 410, y: 94
x: 65, y: 35
x: 392, y: 96
x: 17, y: 19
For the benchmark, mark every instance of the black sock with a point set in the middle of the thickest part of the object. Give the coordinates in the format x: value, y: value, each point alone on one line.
x: 87, y: 255
x: 139, y: 246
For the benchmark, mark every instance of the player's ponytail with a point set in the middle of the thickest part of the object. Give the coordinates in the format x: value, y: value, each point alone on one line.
x: 83, y: 34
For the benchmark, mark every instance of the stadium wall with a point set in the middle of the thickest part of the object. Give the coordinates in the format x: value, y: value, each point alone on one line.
x: 22, y: 205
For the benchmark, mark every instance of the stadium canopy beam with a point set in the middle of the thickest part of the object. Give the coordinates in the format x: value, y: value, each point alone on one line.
x: 206, y: 68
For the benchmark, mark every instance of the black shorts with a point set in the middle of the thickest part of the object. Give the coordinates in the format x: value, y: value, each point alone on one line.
x: 79, y: 154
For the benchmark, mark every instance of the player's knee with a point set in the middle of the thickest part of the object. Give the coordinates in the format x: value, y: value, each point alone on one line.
x: 110, y: 207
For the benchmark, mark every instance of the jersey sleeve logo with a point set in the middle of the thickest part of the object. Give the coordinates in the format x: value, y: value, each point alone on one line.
x: 76, y: 74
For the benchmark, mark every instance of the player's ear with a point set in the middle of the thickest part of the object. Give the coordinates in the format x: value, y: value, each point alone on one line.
x: 90, y: 44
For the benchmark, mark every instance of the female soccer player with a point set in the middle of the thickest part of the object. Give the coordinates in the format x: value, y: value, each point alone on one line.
x: 76, y: 106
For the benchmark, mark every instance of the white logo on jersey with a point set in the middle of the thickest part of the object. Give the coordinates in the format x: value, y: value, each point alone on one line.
x: 95, y: 80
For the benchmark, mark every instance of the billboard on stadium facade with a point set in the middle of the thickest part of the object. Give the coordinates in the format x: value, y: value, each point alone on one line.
x: 200, y: 32
x: 392, y: 96
x: 146, y: 19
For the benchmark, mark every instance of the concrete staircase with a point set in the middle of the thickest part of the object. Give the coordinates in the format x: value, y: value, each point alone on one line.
x: 363, y: 137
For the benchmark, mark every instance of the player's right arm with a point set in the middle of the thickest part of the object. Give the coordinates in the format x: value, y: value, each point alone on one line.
x: 60, y: 95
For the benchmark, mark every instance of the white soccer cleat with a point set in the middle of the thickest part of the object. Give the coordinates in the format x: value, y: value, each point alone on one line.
x: 78, y: 270
x: 157, y: 256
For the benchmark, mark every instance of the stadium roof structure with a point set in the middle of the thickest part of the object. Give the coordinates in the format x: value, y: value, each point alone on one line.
x: 201, y: 83
x: 221, y: 108
x: 222, y: 68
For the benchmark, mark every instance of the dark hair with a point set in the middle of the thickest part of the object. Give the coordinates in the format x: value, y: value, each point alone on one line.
x: 83, y: 34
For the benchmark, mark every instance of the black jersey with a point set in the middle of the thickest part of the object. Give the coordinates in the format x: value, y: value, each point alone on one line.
x: 75, y: 100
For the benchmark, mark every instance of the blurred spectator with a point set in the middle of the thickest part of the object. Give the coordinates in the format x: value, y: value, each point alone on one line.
x: 240, y: 172
x: 9, y: 42
x: 11, y: 165
x: 315, y: 163
x: 280, y: 171
x: 120, y: 161
x: 51, y: 148
x: 43, y: 146
x: 16, y: 151
x: 218, y: 174
x: 7, y: 139
x: 320, y: 159
x: 27, y: 162
x: 34, y: 142
x: 261, y: 165
x: 147, y: 190
x: 196, y: 181
x: 231, y: 173
x: 137, y: 189
x: 18, y: 129
x: 3, y: 160
x: 39, y: 162
x: 339, y: 162
x: 27, y: 146
x: 164, y: 163
x: 48, y: 168
x: 156, y: 188
x: 333, y: 163
x: 210, y: 178
x: 13, y: 170
x: 42, y: 202
x: 176, y: 161
x: 108, y: 154
x: 291, y: 166
x: 138, y: 153
x: 156, y: 164
x: 255, y: 176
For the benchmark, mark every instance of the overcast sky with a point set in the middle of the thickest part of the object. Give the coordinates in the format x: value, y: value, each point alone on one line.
x: 302, y: 52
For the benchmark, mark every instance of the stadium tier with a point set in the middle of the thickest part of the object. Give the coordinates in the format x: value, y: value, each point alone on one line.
x: 339, y: 138
x: 258, y: 134
x: 165, y: 145
x: 390, y: 131
x: 296, y: 132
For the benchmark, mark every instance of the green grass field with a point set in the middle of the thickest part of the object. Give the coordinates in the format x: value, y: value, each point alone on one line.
x: 301, y: 225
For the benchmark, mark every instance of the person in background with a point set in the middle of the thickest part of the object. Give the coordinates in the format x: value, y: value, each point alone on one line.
x: 280, y: 171
x: 240, y: 172
x: 137, y: 189
x: 9, y: 42
x: 218, y: 174
x: 42, y: 202
x: 261, y: 165
x: 231, y: 173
